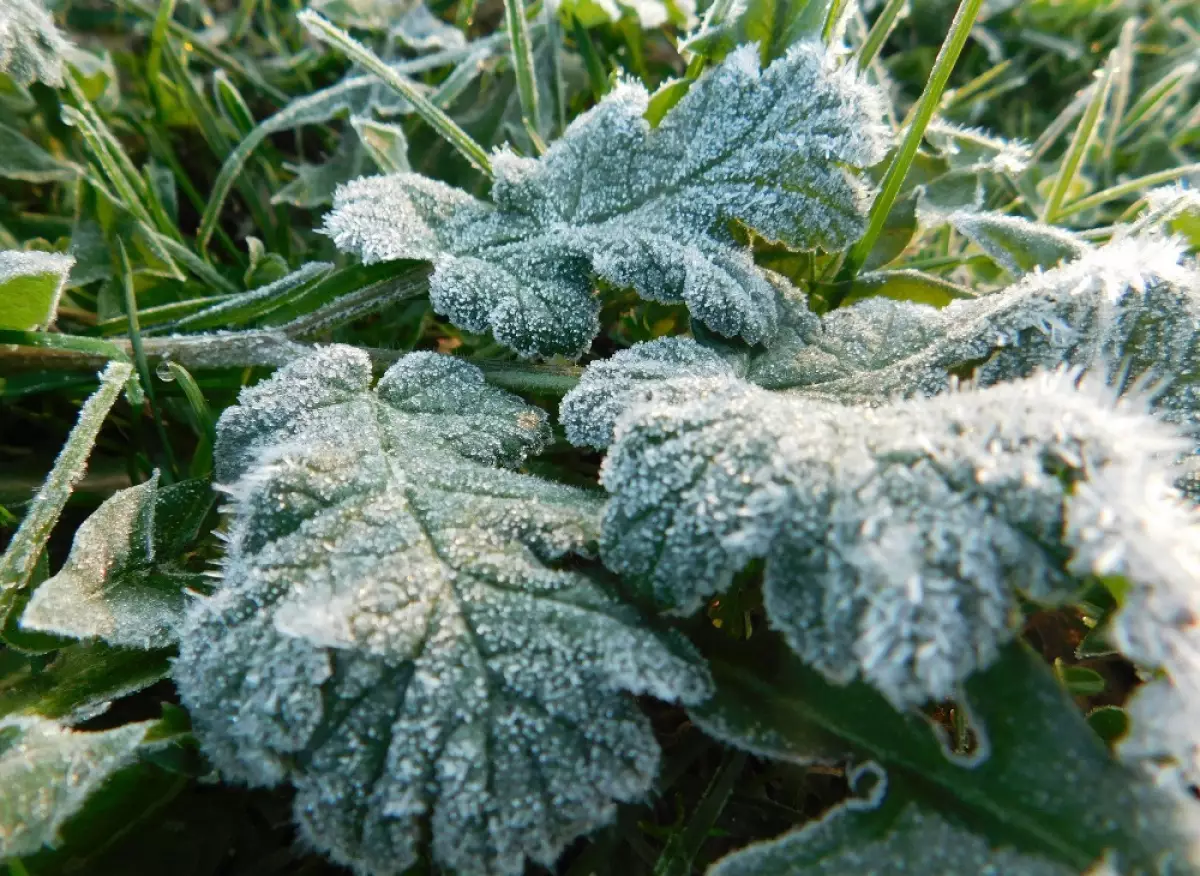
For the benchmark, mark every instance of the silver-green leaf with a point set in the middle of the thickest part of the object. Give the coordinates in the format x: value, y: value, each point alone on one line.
x: 636, y: 206
x: 894, y: 537
x: 398, y: 633
x: 31, y: 47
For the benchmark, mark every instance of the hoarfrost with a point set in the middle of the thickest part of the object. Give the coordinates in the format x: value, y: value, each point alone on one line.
x: 637, y: 206
x: 47, y: 773
x: 31, y: 47
x: 1131, y: 308
x: 394, y: 634
x: 122, y: 581
x: 892, y: 535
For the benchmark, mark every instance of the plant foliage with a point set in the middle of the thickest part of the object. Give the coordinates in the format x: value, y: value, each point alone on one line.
x: 640, y: 437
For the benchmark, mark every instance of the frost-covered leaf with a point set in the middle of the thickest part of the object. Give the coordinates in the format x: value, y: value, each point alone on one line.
x: 47, y: 773
x: 894, y: 537
x: 893, y: 839
x: 30, y: 286
x: 123, y: 581
x: 1033, y: 744
x: 775, y: 25
x: 20, y: 559
x: 31, y: 47
x: 24, y: 160
x: 386, y: 144
x: 590, y: 411
x: 81, y: 681
x: 971, y: 149
x: 315, y: 184
x: 637, y: 206
x: 1129, y: 308
x: 395, y: 633
x: 1017, y: 245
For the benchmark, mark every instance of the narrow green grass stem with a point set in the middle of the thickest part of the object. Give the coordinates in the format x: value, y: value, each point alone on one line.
x: 893, y: 178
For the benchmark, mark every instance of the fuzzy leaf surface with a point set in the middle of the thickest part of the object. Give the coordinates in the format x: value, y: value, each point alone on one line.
x: 122, y: 582
x: 32, y: 48
x: 637, y: 206
x: 1131, y: 306
x: 397, y: 633
x: 892, y: 535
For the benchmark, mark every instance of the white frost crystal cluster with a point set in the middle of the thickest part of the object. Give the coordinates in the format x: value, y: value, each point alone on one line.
x: 31, y: 46
x: 638, y: 206
x: 396, y: 635
x: 895, y: 537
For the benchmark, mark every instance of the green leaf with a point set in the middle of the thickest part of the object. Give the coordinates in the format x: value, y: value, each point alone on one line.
x: 930, y: 812
x: 24, y: 160
x: 640, y: 207
x: 400, y: 633
x: 1081, y: 681
x: 775, y: 25
x: 386, y: 144
x: 47, y: 773
x: 30, y: 286
x: 19, y: 561
x: 81, y: 681
x: 123, y: 581
x: 1018, y: 245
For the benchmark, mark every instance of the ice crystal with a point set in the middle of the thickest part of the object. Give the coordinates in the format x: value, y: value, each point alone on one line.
x: 893, y: 536
x: 637, y: 206
x: 30, y: 286
x: 122, y: 581
x: 47, y: 773
x: 31, y: 47
x: 394, y: 634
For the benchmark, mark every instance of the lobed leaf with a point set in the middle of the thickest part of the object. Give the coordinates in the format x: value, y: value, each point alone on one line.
x: 399, y: 633
x: 637, y: 206
x: 894, y: 537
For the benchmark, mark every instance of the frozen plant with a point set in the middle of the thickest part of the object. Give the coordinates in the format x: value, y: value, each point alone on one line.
x: 395, y: 633
x: 636, y: 205
x: 32, y: 49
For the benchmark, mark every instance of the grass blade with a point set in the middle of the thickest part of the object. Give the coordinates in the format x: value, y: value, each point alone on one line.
x: 434, y: 117
x: 19, y: 561
x: 521, y: 51
x: 139, y: 357
x: 893, y: 178
x: 1080, y: 141
x: 1125, y: 53
x: 879, y: 32
x: 1128, y: 188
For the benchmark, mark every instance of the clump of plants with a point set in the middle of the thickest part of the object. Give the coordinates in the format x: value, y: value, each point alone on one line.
x: 599, y: 437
